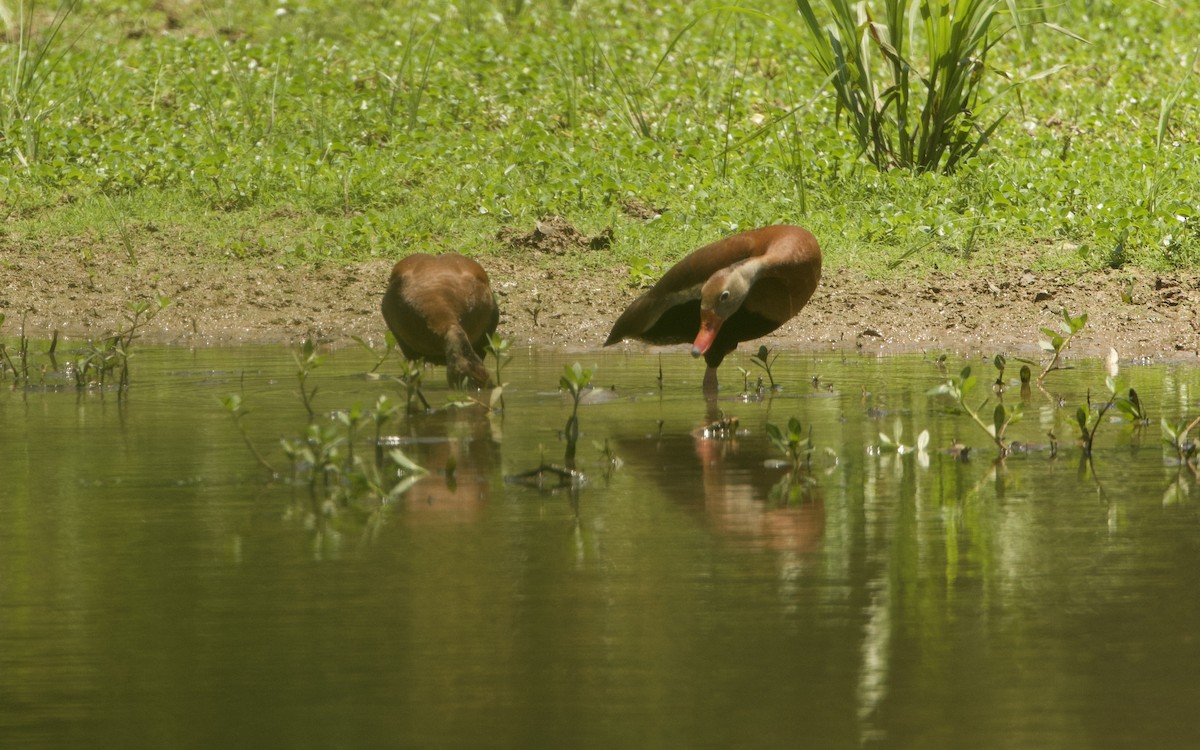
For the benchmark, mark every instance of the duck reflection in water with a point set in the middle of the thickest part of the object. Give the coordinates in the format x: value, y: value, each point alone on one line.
x: 732, y: 488
x: 457, y: 448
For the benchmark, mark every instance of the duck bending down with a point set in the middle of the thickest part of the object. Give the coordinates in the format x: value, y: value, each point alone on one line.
x: 736, y: 289
x: 441, y: 308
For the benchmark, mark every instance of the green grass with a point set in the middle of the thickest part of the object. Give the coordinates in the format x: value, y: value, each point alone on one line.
x: 333, y: 131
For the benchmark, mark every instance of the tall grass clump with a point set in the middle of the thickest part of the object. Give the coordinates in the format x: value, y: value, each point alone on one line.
x: 26, y: 67
x: 907, y: 111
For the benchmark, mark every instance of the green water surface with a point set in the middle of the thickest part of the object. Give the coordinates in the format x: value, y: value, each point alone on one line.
x: 159, y: 589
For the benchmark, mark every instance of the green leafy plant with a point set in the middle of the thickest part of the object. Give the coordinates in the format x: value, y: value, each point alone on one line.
x: 498, y: 346
x: 642, y: 273
x: 389, y: 345
x: 764, y: 359
x: 575, y: 380
x: 535, y: 309
x: 351, y: 419
x: 35, y: 58
x: 233, y: 405
x: 998, y: 386
x: 99, y: 361
x: 1026, y: 380
x: 1002, y: 417
x: 20, y: 371
x: 1131, y: 408
x: 1057, y: 342
x: 306, y: 361
x: 410, y: 380
x: 1088, y: 419
x: 905, y: 112
x: 407, y: 83
x: 894, y: 443
x: 315, y: 455
x: 796, y: 447
x: 383, y: 412
x: 1176, y: 436
x: 608, y: 457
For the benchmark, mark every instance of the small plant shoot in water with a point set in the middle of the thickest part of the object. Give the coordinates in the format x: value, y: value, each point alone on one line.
x: 1176, y: 436
x: 797, y: 449
x: 765, y: 359
x: 794, y: 445
x: 110, y: 356
x: 1057, y: 342
x: 324, y: 459
x: 307, y: 361
x: 575, y: 380
x: 1131, y: 408
x: 1089, y: 419
x: 389, y: 345
x: 894, y: 443
x: 384, y: 410
x: 410, y: 380
x: 498, y: 347
x: 999, y: 386
x: 960, y: 389
x: 233, y: 404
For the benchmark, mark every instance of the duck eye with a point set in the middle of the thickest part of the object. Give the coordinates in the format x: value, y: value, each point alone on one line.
x: 725, y: 295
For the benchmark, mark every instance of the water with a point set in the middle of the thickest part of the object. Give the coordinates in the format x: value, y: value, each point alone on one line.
x: 158, y: 589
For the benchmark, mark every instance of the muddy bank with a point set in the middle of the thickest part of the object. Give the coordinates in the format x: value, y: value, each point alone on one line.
x: 261, y: 302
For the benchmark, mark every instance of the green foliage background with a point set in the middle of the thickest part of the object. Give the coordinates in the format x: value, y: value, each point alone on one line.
x: 312, y: 130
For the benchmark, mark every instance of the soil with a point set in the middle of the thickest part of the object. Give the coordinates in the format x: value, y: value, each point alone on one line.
x: 85, y: 294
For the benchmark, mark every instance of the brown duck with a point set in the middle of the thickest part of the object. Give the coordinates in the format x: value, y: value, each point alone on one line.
x: 736, y: 289
x: 440, y: 308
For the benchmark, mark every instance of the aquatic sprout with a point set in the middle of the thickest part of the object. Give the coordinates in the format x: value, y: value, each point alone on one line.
x: 384, y: 410
x: 315, y: 455
x: 535, y: 309
x: 608, y: 457
x: 894, y: 443
x: 110, y: 356
x: 1176, y: 436
x: 1056, y: 343
x: 410, y: 379
x: 1089, y: 419
x: 537, y: 477
x: 765, y: 359
x: 389, y: 345
x: 796, y: 448
x: 307, y: 361
x: 724, y: 428
x: 1131, y: 408
x: 574, y: 380
x: 233, y: 404
x: 21, y: 373
x: 1002, y: 417
x: 351, y: 418
x: 498, y: 346
x: 326, y: 453
x: 999, y: 386
x: 1026, y: 379
x: 745, y: 379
